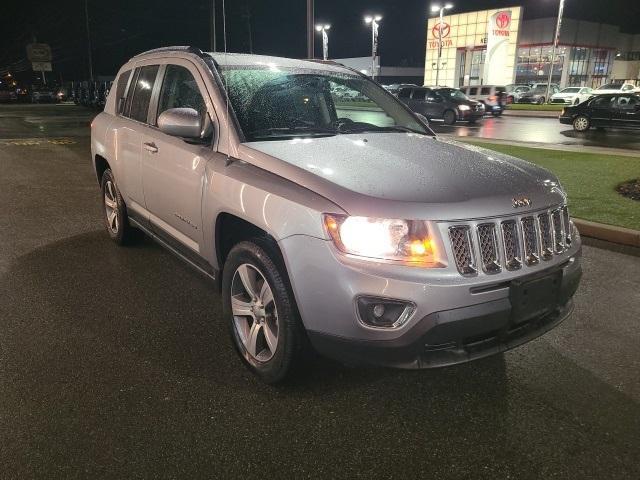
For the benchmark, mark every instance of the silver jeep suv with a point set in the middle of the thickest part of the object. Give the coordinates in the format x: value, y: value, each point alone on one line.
x: 346, y: 227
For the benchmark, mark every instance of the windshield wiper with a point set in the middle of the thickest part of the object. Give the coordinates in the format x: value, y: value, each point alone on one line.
x: 375, y: 128
x: 291, y: 131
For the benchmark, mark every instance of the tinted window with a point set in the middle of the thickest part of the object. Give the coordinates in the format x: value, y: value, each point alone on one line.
x: 473, y: 91
x: 602, y: 102
x: 419, y: 94
x: 611, y: 86
x: 404, y: 93
x: 627, y: 102
x: 142, y: 93
x: 485, y: 91
x: 180, y: 90
x: 120, y: 90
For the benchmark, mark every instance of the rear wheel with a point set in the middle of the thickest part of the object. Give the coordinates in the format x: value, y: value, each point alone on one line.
x: 115, y: 211
x: 576, y: 101
x: 258, y: 304
x: 449, y: 117
x: 541, y: 100
x: 581, y: 123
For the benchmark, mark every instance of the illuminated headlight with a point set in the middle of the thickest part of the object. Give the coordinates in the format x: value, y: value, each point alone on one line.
x: 464, y: 107
x: 384, y: 239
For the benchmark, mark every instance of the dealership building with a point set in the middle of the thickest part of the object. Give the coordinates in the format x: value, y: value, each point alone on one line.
x: 499, y: 46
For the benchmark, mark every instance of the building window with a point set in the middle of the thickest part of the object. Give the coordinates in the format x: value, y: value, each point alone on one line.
x: 533, y: 64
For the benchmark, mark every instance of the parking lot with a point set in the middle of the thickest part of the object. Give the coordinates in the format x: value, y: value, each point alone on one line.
x: 116, y: 363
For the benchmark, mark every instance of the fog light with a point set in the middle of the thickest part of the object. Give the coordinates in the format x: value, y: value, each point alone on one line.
x: 384, y: 313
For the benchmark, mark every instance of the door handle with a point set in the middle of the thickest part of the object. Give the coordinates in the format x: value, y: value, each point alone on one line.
x: 150, y: 147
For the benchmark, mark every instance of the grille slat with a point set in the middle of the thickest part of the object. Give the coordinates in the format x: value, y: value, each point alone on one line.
x: 462, y: 248
x: 546, y: 236
x: 530, y: 241
x: 558, y: 231
x: 511, y: 242
x: 488, y: 243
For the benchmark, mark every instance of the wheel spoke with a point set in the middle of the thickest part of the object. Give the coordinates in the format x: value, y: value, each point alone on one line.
x: 252, y: 340
x: 241, y: 308
x: 109, y: 202
x: 248, y: 278
x: 110, y: 189
x: 270, y: 337
x: 112, y: 219
x: 266, y: 295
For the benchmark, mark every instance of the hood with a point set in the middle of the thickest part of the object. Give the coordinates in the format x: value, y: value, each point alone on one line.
x: 564, y: 95
x: 408, y: 175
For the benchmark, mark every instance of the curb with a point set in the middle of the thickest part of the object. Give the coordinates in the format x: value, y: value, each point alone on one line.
x: 609, y: 233
x: 531, y: 114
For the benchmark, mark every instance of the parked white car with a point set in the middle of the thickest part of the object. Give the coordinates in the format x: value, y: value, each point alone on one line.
x: 572, y: 95
x: 616, y: 88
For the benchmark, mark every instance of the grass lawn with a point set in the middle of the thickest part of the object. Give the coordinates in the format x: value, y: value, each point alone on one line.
x: 590, y: 180
x: 544, y: 107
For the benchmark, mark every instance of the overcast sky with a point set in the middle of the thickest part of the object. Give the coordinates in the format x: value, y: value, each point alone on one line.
x: 122, y: 28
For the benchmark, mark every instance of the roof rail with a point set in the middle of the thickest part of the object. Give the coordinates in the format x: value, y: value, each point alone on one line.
x: 178, y: 48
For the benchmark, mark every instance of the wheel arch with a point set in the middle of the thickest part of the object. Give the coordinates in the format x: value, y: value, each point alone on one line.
x: 100, y: 164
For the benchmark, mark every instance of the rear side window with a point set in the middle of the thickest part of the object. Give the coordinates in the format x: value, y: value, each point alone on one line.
x: 121, y: 88
x: 473, y: 91
x: 404, y: 93
x: 485, y: 91
x: 180, y: 90
x: 602, y: 102
x: 419, y: 94
x: 142, y: 93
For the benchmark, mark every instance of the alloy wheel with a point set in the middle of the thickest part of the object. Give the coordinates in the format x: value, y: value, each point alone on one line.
x: 111, y: 206
x: 255, y: 317
x: 581, y: 124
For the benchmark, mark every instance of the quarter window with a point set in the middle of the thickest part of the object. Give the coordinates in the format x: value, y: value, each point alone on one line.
x: 180, y: 90
x: 142, y: 93
x: 123, y: 79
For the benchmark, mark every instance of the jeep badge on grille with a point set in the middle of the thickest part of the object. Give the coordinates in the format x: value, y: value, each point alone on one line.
x: 520, y: 202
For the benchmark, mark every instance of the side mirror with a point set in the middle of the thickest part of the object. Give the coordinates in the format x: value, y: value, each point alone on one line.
x: 181, y: 122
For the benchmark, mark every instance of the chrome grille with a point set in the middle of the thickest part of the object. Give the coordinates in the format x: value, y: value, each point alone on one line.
x: 530, y: 237
x: 462, y: 248
x: 488, y: 244
x: 546, y: 237
x: 511, y: 242
x: 558, y: 231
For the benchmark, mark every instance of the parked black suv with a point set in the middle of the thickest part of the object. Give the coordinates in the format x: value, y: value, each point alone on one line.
x: 612, y: 110
x: 442, y: 103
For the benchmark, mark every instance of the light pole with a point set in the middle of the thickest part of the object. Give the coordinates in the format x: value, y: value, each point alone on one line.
x: 374, y: 21
x: 436, y: 8
x: 325, y: 40
x: 556, y: 39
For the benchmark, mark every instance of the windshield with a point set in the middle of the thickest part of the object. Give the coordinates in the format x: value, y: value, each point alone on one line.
x: 570, y: 90
x: 274, y: 103
x: 452, y: 93
x: 611, y: 86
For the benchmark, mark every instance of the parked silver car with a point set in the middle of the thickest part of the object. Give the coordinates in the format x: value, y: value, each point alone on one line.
x: 354, y: 228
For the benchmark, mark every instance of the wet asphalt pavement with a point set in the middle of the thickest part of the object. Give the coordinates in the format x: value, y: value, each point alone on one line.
x: 115, y: 363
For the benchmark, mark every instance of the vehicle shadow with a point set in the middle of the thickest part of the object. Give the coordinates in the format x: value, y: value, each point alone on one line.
x: 610, y: 138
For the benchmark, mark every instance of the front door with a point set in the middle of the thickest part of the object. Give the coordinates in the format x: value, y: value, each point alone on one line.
x: 601, y: 109
x: 174, y: 168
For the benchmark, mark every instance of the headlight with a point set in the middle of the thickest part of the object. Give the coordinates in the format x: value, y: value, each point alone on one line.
x: 464, y: 107
x: 383, y: 239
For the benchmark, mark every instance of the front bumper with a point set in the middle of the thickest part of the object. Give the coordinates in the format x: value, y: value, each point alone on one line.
x: 470, y: 115
x: 456, y: 319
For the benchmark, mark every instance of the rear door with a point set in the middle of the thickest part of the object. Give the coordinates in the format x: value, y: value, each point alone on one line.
x: 174, y: 168
x: 417, y: 103
x: 626, y: 112
x: 601, y: 110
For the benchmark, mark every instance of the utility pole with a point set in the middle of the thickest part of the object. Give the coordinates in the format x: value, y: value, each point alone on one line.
x: 310, y: 30
x: 556, y: 39
x: 213, y: 25
x: 441, y: 9
x: 374, y: 22
x: 86, y: 17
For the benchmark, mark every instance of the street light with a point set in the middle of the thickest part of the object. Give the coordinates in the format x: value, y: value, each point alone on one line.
x: 325, y: 40
x: 438, y: 8
x: 374, y: 21
x: 556, y: 39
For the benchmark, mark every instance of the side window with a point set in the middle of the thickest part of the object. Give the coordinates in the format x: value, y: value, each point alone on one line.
x: 404, y: 93
x: 142, y: 93
x: 180, y: 90
x: 123, y: 79
x: 626, y: 88
x: 485, y: 91
x: 419, y: 94
x: 602, y: 102
x: 473, y: 91
x: 627, y: 102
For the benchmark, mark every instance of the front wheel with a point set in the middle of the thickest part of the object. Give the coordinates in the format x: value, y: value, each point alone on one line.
x: 541, y: 100
x: 581, y: 123
x: 258, y: 304
x: 449, y: 117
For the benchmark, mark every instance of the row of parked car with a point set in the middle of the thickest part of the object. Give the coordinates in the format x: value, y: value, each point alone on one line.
x: 90, y: 94
x: 471, y: 103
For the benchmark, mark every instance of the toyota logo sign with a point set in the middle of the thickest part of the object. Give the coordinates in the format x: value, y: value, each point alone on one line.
x: 446, y: 30
x: 503, y: 19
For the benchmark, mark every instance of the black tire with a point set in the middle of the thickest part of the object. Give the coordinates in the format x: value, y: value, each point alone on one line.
x: 541, y: 101
x: 496, y: 113
x: 449, y: 117
x: 290, y: 345
x: 117, y: 227
x: 581, y: 123
x: 576, y: 101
